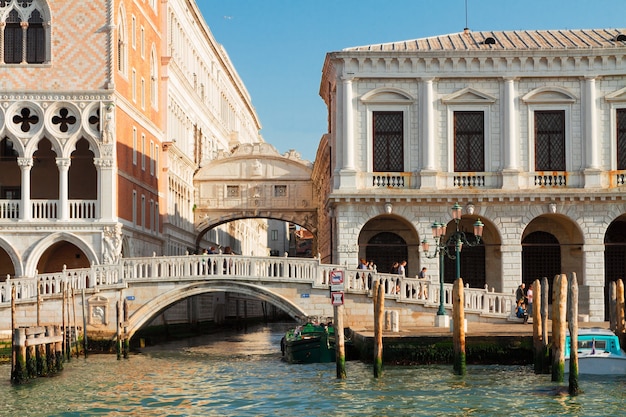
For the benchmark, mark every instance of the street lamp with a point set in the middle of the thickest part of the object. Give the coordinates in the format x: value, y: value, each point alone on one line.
x: 442, y: 247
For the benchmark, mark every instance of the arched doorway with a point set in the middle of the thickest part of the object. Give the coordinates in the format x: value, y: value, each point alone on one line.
x: 6, y: 265
x: 387, y: 239
x: 59, y: 254
x: 614, y: 257
x: 541, y: 257
x: 472, y: 264
x: 384, y: 249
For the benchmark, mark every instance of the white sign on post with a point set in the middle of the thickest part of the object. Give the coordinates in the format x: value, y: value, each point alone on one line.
x: 336, y: 280
x: 337, y: 298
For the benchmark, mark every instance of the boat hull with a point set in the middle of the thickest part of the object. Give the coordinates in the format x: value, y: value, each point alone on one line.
x: 600, y: 364
x: 311, y: 350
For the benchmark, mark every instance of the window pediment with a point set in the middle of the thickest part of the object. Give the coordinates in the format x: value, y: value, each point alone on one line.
x: 387, y: 95
x: 616, y: 96
x: 468, y: 96
x: 549, y: 95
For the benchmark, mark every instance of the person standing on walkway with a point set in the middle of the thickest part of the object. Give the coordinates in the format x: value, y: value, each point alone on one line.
x: 529, y: 299
x: 519, y: 294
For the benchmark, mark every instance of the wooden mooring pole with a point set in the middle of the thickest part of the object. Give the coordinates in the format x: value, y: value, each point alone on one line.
x: 540, y: 326
x: 458, y: 331
x: 85, y: 344
x: 559, y: 322
x: 572, y: 320
x: 340, y: 345
x: 613, y: 306
x: 379, y: 312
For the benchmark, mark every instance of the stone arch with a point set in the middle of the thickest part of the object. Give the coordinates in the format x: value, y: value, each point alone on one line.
x: 148, y: 311
x: 255, y: 181
x: 404, y: 246
x: 545, y: 237
x: 39, y: 249
x: 14, y: 257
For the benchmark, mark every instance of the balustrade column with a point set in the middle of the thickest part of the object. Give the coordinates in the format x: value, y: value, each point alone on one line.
x: 64, y: 166
x: 25, y: 165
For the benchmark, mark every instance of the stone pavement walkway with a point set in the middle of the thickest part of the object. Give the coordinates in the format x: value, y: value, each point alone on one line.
x: 474, y: 329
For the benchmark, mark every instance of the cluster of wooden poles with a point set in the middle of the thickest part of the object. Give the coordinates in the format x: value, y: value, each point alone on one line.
x: 564, y: 317
x: 41, y: 350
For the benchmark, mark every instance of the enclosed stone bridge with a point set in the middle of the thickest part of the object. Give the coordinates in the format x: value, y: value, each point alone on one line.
x: 298, y: 286
x: 255, y: 181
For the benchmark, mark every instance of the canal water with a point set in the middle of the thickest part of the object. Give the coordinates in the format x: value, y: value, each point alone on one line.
x: 242, y: 374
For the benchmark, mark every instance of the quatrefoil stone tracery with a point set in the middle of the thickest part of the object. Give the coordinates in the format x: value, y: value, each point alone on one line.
x: 25, y: 119
x: 64, y: 119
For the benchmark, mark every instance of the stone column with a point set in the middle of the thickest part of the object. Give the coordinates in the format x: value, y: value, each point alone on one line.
x: 24, y: 26
x: 592, y: 147
x: 510, y: 172
x: 347, y: 178
x: 107, y: 191
x: 64, y: 166
x: 591, y: 284
x: 511, y: 267
x: 25, y: 165
x: 428, y: 174
x: 2, y: 26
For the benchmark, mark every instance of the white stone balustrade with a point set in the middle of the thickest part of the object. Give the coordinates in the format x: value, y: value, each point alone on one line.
x: 205, y: 267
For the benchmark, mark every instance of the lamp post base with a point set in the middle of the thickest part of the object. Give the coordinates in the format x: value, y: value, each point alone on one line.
x: 442, y: 321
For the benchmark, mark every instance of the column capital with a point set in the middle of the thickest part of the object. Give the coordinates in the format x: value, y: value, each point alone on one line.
x: 103, y: 162
x: 25, y: 162
x: 63, y: 162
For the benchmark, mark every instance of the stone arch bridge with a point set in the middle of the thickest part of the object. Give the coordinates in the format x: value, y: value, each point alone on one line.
x: 298, y: 286
x: 255, y: 181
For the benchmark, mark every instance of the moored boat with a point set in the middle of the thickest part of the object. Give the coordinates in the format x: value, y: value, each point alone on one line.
x: 599, y: 353
x: 310, y: 343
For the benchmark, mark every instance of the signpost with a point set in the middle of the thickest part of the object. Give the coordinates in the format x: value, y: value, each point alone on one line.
x: 337, y: 300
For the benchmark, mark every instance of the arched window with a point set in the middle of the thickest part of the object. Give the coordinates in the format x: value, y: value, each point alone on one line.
x: 121, y: 43
x: 27, y: 43
x: 35, y: 39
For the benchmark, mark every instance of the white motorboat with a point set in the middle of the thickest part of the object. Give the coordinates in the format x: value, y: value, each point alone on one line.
x: 599, y: 353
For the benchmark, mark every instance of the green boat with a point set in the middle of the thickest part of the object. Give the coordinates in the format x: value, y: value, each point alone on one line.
x: 311, y: 343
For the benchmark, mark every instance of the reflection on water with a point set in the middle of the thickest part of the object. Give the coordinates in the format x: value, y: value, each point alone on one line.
x: 242, y: 374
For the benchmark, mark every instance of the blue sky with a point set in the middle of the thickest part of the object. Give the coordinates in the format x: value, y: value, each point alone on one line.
x: 278, y: 46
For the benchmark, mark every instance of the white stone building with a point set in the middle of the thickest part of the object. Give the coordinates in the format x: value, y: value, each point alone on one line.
x: 526, y: 130
x: 208, y: 110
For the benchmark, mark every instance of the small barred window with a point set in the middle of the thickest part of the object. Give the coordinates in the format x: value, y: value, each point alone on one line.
x: 280, y: 191
x: 232, y: 191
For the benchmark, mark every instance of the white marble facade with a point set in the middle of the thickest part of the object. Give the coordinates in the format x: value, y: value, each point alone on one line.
x: 522, y: 129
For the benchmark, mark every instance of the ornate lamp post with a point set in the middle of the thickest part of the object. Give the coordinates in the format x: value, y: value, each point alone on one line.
x: 442, y: 247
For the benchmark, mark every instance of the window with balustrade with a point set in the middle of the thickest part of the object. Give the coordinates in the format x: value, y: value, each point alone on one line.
x: 388, y: 136
x: 621, y: 139
x: 24, y: 31
x: 469, y: 141
x: 550, y: 140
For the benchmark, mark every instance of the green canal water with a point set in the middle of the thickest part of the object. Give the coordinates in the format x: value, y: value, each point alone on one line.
x: 242, y: 374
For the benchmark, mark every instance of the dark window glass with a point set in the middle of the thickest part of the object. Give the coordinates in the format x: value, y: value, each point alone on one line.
x: 621, y: 139
x: 35, y: 40
x: 388, y: 141
x: 550, y: 140
x: 469, y: 141
x: 13, y: 39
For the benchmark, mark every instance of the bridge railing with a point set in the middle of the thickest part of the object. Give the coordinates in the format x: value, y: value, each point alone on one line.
x: 280, y: 269
x: 425, y: 291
